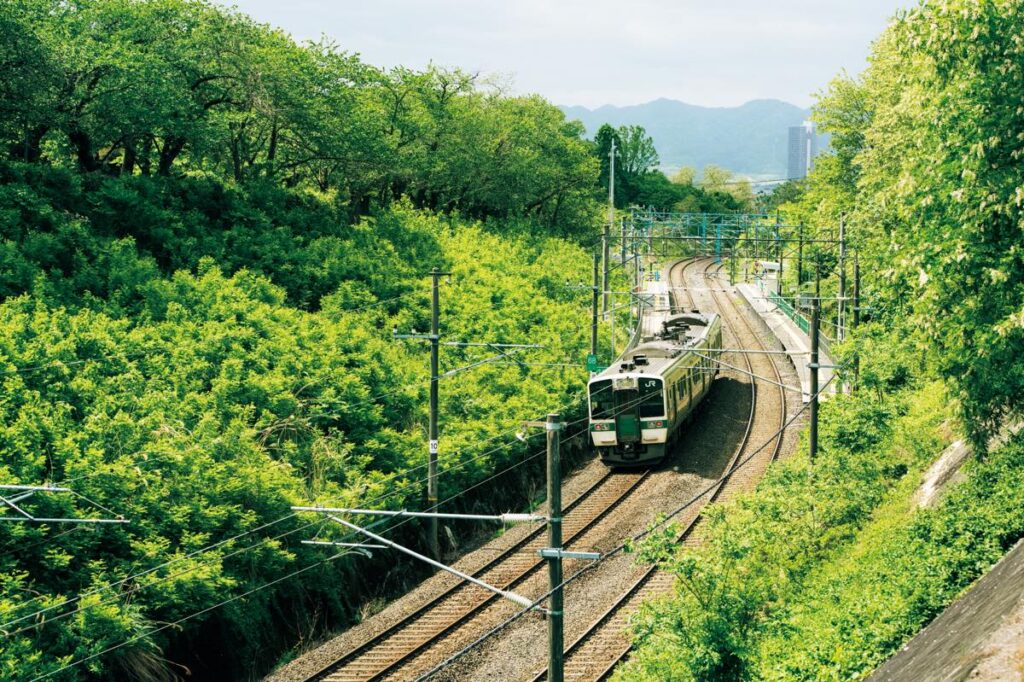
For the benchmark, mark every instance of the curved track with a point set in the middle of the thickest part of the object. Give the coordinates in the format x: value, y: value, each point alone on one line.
x: 394, y: 652
x: 595, y: 653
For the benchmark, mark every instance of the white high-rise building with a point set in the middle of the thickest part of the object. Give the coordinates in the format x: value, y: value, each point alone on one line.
x: 803, y: 145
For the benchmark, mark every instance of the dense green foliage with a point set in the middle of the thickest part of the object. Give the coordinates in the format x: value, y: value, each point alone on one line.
x: 926, y: 166
x: 207, y: 235
x: 822, y: 574
x: 203, y: 404
x: 174, y: 86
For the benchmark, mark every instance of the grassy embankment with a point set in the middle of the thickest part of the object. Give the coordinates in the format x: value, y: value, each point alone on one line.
x: 825, y: 571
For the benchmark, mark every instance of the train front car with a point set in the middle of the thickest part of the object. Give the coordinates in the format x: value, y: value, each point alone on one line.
x: 628, y: 424
x: 638, y: 405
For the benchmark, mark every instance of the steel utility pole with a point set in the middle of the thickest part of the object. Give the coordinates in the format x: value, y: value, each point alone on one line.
x: 622, y: 244
x: 817, y: 277
x: 432, y: 493
x: 782, y: 260
x: 637, y: 269
x: 611, y: 220
x: 434, y: 337
x: 800, y: 259
x: 813, y: 367
x: 593, y: 310
x: 856, y: 289
x: 555, y: 619
x: 856, y: 315
x: 841, y: 303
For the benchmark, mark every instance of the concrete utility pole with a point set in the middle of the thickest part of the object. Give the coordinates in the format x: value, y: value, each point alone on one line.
x: 856, y: 315
x: 555, y: 619
x: 432, y: 492
x: 611, y: 220
x: 817, y: 277
x: 800, y: 258
x: 434, y: 337
x: 622, y: 244
x: 841, y: 303
x: 856, y: 290
x: 813, y: 366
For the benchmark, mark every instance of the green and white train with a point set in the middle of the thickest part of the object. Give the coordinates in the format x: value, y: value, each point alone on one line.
x: 638, y: 405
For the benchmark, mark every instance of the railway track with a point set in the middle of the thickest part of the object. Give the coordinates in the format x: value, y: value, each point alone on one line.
x: 394, y: 652
x: 384, y: 654
x: 682, y: 291
x: 596, y: 652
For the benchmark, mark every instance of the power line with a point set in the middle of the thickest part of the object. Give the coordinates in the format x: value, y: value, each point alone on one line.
x: 183, y: 619
x: 211, y: 547
x: 137, y: 588
x: 270, y: 583
x: 379, y: 498
x: 615, y: 551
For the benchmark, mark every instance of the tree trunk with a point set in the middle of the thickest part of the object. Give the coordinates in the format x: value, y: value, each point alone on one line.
x: 32, y: 144
x: 128, y: 164
x: 144, y: 161
x: 272, y: 149
x: 83, y: 149
x: 236, y: 159
x: 173, y: 147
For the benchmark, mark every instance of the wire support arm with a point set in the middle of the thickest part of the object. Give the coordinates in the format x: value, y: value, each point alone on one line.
x: 503, y: 518
x: 525, y: 602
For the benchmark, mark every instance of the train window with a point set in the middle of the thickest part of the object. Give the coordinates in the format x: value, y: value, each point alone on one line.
x: 652, y: 398
x: 602, y: 400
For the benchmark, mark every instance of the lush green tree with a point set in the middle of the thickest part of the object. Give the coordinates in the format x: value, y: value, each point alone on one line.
x: 939, y: 197
x: 637, y: 154
x: 684, y: 176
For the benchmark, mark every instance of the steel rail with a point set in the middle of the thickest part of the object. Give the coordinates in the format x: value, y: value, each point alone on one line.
x: 652, y: 574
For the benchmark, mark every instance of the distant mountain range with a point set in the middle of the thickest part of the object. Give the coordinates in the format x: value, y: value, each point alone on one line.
x: 750, y: 139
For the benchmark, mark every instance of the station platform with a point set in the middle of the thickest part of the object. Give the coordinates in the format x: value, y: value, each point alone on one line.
x: 792, y: 337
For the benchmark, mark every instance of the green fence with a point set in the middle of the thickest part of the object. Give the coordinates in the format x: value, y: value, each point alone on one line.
x: 791, y: 313
x: 799, y: 320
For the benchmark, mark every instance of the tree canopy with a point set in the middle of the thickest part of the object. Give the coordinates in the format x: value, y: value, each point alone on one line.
x: 925, y: 167
x: 174, y: 87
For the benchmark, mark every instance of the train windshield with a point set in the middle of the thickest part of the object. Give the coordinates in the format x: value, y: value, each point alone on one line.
x: 602, y: 400
x: 652, y: 399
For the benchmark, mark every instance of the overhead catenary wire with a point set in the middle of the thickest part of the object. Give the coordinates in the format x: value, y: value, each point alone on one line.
x: 197, y: 552
x: 139, y: 588
x: 134, y: 589
x: 209, y: 548
x: 340, y: 406
x: 316, y: 415
x: 748, y: 372
x: 224, y: 602
x: 183, y: 619
x: 616, y: 550
x: 301, y: 570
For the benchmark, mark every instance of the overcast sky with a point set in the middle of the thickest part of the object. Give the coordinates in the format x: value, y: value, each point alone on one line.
x: 593, y: 52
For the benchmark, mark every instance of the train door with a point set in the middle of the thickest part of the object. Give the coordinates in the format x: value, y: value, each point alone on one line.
x: 627, y: 418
